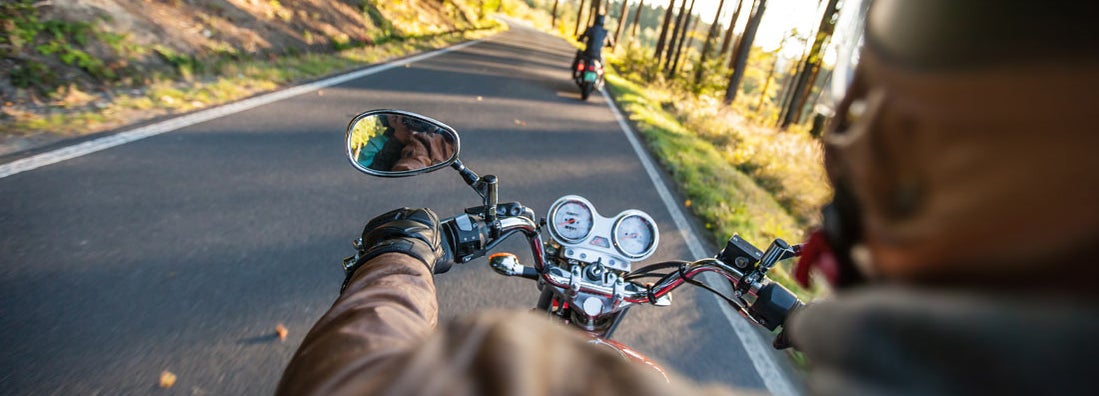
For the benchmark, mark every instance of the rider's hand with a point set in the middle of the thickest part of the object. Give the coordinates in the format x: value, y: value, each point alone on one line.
x: 414, y: 232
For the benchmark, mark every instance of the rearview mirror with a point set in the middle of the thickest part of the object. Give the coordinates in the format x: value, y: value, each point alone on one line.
x: 393, y: 143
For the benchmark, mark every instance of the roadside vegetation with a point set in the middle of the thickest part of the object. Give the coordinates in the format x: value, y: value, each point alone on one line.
x: 77, y: 69
x: 741, y: 168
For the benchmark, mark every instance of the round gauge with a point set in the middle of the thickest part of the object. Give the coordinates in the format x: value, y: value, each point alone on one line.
x: 572, y: 220
x: 635, y: 235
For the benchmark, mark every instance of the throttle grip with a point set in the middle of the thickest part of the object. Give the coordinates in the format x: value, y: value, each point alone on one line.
x: 773, y: 305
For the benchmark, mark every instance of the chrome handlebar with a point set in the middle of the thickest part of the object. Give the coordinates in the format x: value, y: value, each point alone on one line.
x: 761, y: 300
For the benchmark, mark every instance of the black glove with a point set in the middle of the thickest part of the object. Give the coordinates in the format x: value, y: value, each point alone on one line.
x: 414, y: 232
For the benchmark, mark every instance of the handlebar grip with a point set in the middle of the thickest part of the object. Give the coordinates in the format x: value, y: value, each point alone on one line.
x: 773, y: 305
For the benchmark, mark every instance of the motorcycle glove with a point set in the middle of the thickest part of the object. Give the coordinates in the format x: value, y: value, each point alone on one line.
x: 414, y: 232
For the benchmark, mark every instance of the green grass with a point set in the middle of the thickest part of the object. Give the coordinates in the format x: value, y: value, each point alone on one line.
x: 223, y: 81
x: 724, y: 198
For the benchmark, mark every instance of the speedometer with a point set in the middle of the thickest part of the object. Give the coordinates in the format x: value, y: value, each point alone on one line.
x: 635, y: 235
x: 572, y: 220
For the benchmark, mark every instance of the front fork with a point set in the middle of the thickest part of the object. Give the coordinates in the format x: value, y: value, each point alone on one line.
x: 548, y: 302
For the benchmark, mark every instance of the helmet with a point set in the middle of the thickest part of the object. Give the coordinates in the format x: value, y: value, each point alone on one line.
x: 965, y: 138
x: 599, y: 19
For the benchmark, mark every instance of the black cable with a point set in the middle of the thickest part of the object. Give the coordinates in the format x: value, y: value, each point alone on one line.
x: 655, y: 267
x: 642, y: 276
x: 492, y: 245
x: 707, y: 287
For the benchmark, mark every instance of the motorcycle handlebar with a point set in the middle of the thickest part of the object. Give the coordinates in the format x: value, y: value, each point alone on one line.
x: 468, y: 237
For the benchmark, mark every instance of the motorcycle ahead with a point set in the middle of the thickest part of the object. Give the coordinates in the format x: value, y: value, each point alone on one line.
x: 588, y: 75
x: 584, y: 270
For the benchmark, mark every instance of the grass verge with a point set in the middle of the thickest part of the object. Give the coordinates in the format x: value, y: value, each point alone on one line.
x: 227, y: 80
x: 724, y: 198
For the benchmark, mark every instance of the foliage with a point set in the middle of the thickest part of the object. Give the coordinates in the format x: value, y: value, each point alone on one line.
x: 219, y: 80
x: 33, y: 42
x: 723, y: 197
x: 788, y: 164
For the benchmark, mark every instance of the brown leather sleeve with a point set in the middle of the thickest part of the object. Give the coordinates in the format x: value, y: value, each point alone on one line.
x: 388, y: 307
x: 379, y: 339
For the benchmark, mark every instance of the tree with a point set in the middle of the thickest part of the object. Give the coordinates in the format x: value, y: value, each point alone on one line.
x: 579, y: 20
x: 675, y: 36
x: 664, y: 30
x: 637, y: 19
x: 808, y: 76
x: 740, y: 55
x: 729, y: 31
x: 553, y: 24
x: 707, y: 47
x: 682, y: 38
x: 623, y: 19
x: 690, y: 42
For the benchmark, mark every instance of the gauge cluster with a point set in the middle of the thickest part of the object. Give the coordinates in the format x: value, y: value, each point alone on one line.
x: 589, y: 237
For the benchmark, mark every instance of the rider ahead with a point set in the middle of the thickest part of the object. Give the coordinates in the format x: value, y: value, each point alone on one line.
x: 594, y: 39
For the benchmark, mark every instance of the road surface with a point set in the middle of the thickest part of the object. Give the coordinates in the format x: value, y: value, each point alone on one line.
x: 184, y: 250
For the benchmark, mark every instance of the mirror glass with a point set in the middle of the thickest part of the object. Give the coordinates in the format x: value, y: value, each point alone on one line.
x: 397, y: 143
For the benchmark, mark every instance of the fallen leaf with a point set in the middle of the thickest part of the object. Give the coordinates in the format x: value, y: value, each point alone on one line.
x: 281, y: 331
x: 320, y: 93
x: 479, y: 98
x: 167, y: 379
x: 687, y: 203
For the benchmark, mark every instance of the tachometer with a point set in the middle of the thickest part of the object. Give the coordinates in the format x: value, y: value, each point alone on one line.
x: 572, y: 220
x: 635, y: 235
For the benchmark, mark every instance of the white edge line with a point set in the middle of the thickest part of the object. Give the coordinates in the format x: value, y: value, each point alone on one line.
x: 765, y: 365
x: 117, y: 139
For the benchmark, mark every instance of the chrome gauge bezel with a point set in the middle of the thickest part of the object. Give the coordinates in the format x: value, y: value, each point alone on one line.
x: 589, y: 248
x: 652, y: 227
x: 553, y: 216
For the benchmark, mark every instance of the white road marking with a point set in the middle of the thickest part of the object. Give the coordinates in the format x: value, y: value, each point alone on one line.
x: 106, y: 142
x: 765, y: 365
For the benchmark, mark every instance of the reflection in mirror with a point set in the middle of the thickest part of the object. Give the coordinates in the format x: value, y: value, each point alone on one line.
x: 397, y: 143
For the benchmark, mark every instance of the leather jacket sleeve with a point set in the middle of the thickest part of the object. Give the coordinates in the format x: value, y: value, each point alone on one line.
x: 388, y: 308
x: 379, y: 339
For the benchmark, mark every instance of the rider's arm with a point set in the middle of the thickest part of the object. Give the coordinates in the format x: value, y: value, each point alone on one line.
x: 389, y: 306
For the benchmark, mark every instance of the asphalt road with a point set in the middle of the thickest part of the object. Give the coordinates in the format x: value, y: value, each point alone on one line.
x: 183, y: 251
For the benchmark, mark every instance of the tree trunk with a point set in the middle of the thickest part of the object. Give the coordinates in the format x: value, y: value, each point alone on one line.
x: 708, y: 46
x: 623, y: 19
x: 804, y: 85
x: 742, y: 49
x: 675, y: 36
x: 729, y: 31
x: 553, y: 24
x: 736, y: 47
x: 690, y: 43
x: 682, y: 38
x: 579, y: 20
x: 664, y: 30
x: 637, y: 19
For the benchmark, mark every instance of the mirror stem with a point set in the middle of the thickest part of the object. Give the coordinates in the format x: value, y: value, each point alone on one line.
x: 486, y: 187
x: 468, y: 175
